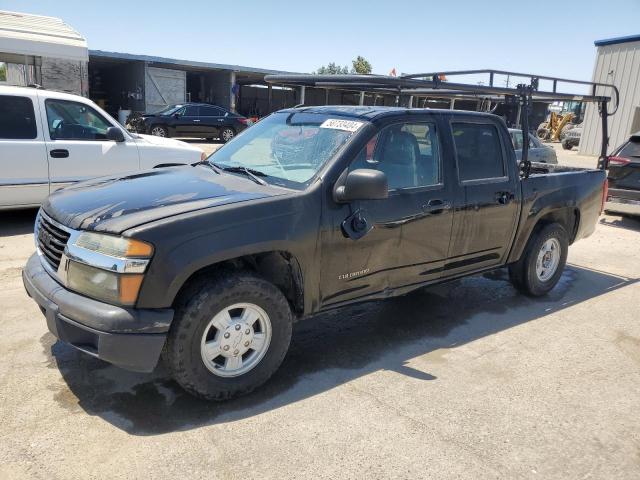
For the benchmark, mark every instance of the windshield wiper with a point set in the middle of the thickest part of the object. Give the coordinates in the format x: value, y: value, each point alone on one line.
x: 211, y: 165
x: 249, y: 172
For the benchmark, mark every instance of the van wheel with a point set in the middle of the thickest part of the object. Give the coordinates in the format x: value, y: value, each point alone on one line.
x: 566, y: 145
x: 541, y: 264
x: 229, y: 335
x: 159, y: 131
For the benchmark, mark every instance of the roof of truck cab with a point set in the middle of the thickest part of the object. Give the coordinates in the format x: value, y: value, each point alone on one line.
x: 371, y: 112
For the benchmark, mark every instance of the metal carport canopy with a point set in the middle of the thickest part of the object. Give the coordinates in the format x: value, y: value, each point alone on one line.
x: 40, y: 36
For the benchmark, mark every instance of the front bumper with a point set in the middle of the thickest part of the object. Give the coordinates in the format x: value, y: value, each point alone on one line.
x: 126, y: 337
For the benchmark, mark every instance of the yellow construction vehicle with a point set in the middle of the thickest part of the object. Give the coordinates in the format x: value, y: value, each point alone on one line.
x: 553, y: 127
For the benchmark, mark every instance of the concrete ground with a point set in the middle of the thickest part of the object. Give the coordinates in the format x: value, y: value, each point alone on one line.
x: 465, y: 380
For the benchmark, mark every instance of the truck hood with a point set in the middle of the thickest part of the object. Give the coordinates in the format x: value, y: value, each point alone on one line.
x: 116, y: 203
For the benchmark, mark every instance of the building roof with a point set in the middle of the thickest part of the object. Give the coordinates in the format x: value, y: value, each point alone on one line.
x: 26, y: 34
x: 183, y: 63
x: 613, y: 41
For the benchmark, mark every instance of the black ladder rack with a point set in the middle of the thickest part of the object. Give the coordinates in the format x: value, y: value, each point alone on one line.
x: 434, y: 83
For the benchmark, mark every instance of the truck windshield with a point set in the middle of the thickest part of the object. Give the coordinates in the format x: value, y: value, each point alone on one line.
x: 287, y: 148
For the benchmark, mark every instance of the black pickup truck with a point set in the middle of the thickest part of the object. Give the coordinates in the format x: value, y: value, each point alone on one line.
x: 311, y: 209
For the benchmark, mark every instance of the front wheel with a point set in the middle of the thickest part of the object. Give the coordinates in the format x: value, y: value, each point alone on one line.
x: 541, y: 264
x: 229, y: 335
x: 567, y: 145
x: 159, y: 131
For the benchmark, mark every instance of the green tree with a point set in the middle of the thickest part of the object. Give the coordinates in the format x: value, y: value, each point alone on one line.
x: 361, y: 66
x: 332, y: 69
x: 3, y: 72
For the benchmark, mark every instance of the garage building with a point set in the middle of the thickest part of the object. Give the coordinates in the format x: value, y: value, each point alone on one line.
x: 617, y: 62
x: 41, y: 50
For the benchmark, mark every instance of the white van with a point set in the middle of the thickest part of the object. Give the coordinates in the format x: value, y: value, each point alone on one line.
x: 49, y: 140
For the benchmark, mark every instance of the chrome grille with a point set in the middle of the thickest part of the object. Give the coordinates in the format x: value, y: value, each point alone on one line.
x: 51, y: 240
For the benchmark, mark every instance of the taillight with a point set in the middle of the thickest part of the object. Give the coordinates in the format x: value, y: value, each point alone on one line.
x: 605, y: 193
x: 243, y: 121
x: 618, y: 161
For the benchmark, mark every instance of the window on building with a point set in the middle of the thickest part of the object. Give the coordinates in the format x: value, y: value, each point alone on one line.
x: 478, y: 151
x: 17, y: 118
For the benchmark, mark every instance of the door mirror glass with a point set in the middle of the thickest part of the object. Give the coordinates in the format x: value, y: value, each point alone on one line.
x: 115, y: 134
x: 362, y: 184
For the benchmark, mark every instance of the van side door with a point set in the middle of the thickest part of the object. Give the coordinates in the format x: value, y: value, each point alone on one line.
x: 486, y: 204
x: 24, y: 173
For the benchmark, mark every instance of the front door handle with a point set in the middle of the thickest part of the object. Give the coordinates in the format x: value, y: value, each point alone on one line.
x: 435, y: 207
x: 196, y: 120
x: 59, y: 153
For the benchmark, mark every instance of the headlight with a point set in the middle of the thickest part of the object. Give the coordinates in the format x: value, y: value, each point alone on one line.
x: 114, y: 288
x: 106, y: 267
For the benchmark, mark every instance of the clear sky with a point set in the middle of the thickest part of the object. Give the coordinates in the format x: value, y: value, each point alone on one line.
x: 547, y: 37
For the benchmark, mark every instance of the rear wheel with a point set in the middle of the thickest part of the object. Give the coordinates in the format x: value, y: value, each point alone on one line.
x: 230, y: 334
x: 226, y: 134
x: 159, y: 131
x: 541, y: 264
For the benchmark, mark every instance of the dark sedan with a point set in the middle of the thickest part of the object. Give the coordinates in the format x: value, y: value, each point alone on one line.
x: 624, y: 178
x: 198, y: 120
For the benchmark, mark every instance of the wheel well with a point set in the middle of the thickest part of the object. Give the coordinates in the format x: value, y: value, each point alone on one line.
x: 280, y: 268
x: 569, y: 218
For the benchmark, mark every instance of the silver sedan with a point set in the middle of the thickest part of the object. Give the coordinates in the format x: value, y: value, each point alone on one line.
x: 538, y: 152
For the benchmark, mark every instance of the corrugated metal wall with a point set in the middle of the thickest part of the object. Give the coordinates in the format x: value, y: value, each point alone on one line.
x: 618, y: 64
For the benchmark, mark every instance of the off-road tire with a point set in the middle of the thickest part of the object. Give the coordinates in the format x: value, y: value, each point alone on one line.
x: 523, y: 273
x: 195, y: 308
x: 566, y: 145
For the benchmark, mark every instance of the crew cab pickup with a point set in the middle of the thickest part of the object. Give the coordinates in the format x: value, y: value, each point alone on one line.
x: 209, y: 265
x: 49, y: 140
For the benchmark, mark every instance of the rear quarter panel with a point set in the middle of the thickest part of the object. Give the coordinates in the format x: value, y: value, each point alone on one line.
x: 574, y: 190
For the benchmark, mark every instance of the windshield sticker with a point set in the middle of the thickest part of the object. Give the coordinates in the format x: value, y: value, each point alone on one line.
x: 347, y: 125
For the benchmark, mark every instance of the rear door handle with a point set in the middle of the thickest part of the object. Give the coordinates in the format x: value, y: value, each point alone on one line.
x: 59, y: 153
x: 196, y: 120
x: 503, y: 197
x: 436, y: 207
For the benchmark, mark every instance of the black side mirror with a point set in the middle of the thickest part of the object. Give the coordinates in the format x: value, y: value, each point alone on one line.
x: 361, y: 184
x: 176, y: 115
x: 115, y: 134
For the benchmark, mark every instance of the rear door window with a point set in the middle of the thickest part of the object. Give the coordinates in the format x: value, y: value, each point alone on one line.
x: 478, y: 151
x: 17, y: 118
x: 211, y: 112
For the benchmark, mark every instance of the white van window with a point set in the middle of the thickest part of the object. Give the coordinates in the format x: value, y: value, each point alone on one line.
x: 74, y: 121
x: 17, y: 119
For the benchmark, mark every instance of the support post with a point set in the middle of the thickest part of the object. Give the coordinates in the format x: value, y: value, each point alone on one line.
x: 326, y: 96
x: 525, y: 99
x: 270, y: 97
x: 361, y: 102
x: 302, y: 94
x: 232, y: 99
x: 410, y: 101
x: 602, y: 160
